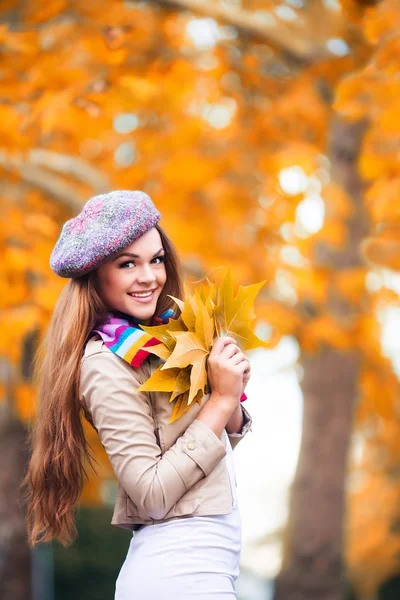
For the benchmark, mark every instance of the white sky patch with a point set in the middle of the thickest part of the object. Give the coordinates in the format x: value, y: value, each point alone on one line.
x: 357, y: 447
x: 108, y: 491
x: 323, y: 175
x: 125, y: 155
x: 283, y: 288
x: 323, y: 161
x: 265, y: 17
x: 125, y: 123
x: 276, y: 405
x: 337, y: 46
x: 295, y: 3
x: 227, y: 32
x: 286, y: 231
x: 310, y: 214
x: 220, y: 114
x: 332, y: 4
x: 248, y: 587
x: 389, y: 318
x: 263, y: 330
x: 293, y: 180
x: 373, y: 281
x: 204, y: 33
x: 285, y: 13
x: 391, y: 280
x: 356, y: 481
x: 206, y: 62
x: 314, y: 185
x: 264, y: 201
x: 292, y: 256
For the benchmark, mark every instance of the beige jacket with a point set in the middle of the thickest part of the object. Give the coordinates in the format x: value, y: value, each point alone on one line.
x: 165, y: 471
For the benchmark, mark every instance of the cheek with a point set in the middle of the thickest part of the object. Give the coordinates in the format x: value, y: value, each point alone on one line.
x: 110, y: 284
x: 163, y: 276
x: 118, y: 280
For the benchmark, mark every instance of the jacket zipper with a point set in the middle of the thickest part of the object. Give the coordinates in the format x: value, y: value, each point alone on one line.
x: 159, y: 440
x: 157, y: 432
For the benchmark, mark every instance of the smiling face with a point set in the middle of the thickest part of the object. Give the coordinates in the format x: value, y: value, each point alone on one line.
x: 131, y: 281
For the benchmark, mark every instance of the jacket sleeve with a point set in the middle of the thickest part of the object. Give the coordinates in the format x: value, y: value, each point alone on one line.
x: 246, y: 427
x: 123, y: 419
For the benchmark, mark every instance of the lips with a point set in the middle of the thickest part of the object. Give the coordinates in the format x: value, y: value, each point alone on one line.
x: 142, y: 292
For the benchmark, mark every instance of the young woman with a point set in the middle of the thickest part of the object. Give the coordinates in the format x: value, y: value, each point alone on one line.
x: 176, y: 482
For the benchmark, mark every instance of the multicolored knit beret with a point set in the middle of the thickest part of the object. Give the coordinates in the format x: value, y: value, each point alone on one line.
x: 107, y: 224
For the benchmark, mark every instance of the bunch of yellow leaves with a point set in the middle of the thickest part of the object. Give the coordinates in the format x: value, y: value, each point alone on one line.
x: 186, y: 342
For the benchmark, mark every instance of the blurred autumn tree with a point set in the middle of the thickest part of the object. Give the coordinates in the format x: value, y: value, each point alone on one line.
x: 371, y: 94
x: 223, y: 114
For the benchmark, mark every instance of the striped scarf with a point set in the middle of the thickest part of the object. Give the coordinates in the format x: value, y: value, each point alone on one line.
x: 121, y: 333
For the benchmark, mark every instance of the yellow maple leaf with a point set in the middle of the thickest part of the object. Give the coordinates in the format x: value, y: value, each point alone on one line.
x: 190, y: 350
x: 182, y: 383
x: 161, y: 381
x: 233, y: 315
x: 164, y: 332
x: 186, y: 342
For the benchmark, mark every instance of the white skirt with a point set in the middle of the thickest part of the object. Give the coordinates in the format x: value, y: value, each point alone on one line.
x: 181, y: 559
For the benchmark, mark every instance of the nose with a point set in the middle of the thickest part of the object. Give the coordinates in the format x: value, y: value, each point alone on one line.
x: 146, y: 275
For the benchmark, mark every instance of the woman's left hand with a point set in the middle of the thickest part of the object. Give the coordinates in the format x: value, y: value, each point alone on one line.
x: 246, y: 373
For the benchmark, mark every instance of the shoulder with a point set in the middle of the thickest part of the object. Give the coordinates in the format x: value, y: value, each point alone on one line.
x: 108, y: 380
x: 108, y: 385
x: 95, y: 345
x: 97, y: 358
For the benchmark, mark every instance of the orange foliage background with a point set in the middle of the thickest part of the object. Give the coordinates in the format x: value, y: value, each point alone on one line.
x: 104, y: 95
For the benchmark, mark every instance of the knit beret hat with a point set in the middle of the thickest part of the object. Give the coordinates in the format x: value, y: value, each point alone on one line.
x: 107, y: 224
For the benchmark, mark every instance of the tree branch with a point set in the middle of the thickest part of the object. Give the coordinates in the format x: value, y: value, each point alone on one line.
x: 70, y: 165
x: 49, y: 182
x: 64, y: 193
x: 295, y: 47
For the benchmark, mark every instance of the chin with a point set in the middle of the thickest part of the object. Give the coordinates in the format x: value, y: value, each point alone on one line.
x: 142, y: 313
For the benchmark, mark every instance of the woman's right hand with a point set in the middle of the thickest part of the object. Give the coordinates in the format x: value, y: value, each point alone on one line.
x: 225, y: 367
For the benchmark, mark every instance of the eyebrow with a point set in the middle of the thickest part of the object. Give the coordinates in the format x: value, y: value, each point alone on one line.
x: 137, y: 255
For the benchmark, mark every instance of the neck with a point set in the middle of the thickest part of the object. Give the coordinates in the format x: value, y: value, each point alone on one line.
x: 135, y: 320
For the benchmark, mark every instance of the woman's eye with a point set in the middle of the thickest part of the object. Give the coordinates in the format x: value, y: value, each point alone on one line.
x: 130, y: 262
x: 160, y: 258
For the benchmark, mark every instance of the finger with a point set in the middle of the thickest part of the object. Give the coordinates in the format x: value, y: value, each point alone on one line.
x: 239, y: 361
x: 220, y: 343
x: 237, y: 358
x: 240, y: 367
x: 230, y: 350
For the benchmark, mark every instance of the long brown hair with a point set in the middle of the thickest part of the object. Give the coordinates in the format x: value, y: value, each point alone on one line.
x: 59, y: 450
